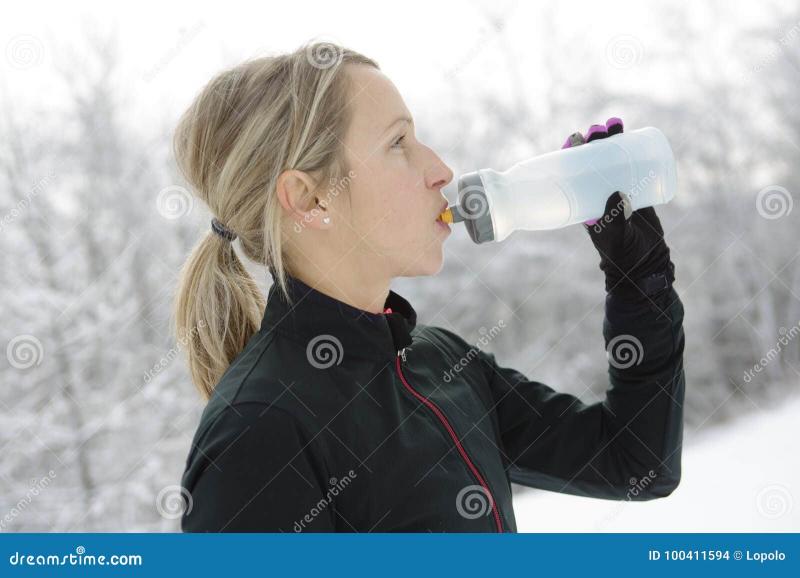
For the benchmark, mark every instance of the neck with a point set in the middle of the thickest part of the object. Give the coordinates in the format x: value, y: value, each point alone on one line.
x: 356, y: 290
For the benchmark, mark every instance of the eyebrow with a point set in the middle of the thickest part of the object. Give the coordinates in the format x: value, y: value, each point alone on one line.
x: 407, y: 119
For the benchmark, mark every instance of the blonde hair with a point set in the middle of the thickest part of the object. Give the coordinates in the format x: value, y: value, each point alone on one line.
x: 249, y: 124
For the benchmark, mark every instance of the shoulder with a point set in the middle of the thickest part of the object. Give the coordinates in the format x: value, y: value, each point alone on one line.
x: 257, y: 378
x: 442, y: 336
x: 456, y: 351
x: 461, y: 353
x: 247, y: 411
x: 451, y: 342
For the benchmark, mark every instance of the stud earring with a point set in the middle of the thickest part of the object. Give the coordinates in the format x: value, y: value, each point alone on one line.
x: 326, y: 220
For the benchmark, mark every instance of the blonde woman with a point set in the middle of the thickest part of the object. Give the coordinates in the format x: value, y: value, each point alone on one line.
x: 330, y: 407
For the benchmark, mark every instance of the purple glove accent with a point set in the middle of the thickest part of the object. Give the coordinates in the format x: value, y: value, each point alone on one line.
x: 613, y: 125
x: 596, y: 131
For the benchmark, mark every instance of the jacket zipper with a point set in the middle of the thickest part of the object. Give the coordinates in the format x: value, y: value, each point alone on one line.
x: 432, y: 406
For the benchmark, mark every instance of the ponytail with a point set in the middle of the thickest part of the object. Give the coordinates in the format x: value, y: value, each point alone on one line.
x: 218, y: 307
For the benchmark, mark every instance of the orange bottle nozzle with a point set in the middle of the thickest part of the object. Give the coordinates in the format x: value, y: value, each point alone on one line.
x: 452, y: 214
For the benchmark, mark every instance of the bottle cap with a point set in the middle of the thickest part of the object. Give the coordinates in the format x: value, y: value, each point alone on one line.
x: 474, y: 208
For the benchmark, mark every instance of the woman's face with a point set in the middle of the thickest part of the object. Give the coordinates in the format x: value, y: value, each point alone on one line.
x: 395, y: 184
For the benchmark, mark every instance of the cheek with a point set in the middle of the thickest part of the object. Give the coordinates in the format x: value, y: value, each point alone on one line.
x: 394, y: 202
x: 391, y: 207
x: 410, y: 210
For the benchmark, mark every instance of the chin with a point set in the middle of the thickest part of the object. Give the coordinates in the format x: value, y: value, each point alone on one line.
x: 424, y: 260
x: 431, y: 265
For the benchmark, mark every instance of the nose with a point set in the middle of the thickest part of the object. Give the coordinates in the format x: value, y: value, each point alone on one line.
x: 438, y: 175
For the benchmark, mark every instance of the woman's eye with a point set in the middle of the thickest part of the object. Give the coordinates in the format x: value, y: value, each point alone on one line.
x: 398, y: 141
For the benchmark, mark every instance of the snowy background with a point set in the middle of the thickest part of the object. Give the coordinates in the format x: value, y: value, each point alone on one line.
x: 95, y: 223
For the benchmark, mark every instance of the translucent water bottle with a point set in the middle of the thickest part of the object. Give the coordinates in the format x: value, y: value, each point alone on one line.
x: 566, y: 186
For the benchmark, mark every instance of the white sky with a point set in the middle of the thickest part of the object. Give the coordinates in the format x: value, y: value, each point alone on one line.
x: 181, y: 44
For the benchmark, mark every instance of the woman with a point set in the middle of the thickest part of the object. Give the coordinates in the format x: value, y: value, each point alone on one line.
x: 329, y: 407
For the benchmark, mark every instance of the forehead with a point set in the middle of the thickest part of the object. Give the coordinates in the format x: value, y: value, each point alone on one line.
x: 375, y: 101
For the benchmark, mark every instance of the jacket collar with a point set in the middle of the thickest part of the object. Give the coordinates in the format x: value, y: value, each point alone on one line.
x: 324, y: 323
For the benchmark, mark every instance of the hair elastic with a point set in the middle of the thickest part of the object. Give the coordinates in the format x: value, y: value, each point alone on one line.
x: 222, y: 230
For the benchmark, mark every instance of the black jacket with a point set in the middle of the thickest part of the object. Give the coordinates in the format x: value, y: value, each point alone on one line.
x: 336, y: 419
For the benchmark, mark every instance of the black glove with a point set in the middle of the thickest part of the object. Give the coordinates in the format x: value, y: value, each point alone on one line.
x: 633, y: 254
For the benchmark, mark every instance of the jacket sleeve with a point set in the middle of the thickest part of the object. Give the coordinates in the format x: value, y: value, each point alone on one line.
x: 627, y: 446
x: 255, y: 471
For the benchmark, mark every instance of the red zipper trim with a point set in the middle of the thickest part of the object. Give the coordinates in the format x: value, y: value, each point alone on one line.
x: 432, y: 406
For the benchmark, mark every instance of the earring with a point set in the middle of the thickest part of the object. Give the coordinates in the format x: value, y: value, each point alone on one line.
x: 326, y: 220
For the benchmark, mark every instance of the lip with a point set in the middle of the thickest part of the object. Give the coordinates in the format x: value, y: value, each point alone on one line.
x: 442, y: 210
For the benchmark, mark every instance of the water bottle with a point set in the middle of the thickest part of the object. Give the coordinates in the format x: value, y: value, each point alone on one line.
x: 566, y: 186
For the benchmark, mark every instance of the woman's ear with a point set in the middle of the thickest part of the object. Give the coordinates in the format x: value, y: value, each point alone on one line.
x: 295, y: 194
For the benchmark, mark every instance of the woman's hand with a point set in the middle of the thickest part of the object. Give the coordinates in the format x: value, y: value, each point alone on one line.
x: 633, y: 254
